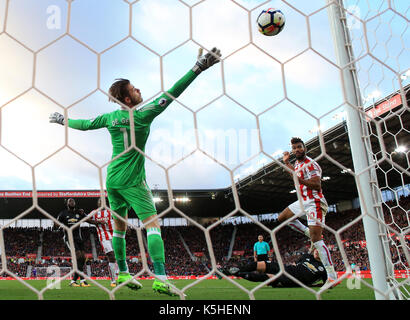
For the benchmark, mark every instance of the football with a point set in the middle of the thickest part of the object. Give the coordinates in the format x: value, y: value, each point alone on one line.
x: 271, y: 22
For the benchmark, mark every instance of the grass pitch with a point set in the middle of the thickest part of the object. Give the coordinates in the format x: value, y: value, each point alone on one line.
x: 205, y: 290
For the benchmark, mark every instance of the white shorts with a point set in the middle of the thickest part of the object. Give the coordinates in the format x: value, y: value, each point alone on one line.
x: 107, y: 246
x: 315, y: 210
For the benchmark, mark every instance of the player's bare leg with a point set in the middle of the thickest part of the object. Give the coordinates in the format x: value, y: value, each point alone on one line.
x: 295, y: 224
x: 324, y: 254
x: 112, y: 266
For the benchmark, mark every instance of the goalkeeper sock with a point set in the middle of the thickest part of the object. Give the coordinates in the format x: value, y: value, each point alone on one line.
x: 156, y: 251
x: 298, y: 226
x: 119, y: 246
x: 326, y: 259
x: 251, y: 266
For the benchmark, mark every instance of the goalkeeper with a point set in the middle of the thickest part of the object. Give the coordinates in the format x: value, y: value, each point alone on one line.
x: 309, y: 270
x: 126, y: 182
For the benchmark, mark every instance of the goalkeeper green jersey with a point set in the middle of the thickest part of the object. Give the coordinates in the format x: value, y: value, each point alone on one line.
x: 129, y: 168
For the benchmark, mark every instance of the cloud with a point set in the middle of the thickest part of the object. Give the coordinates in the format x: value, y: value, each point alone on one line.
x: 26, y: 130
x: 13, y: 172
x: 29, y: 21
x: 228, y: 28
x: 160, y: 24
x: 67, y: 170
x: 200, y: 172
x: 16, y: 65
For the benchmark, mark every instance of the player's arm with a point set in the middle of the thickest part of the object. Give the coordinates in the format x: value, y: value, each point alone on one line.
x: 80, y: 212
x: 91, y: 219
x: 153, y: 109
x: 55, y: 225
x: 80, y: 124
x: 315, y: 182
x: 94, y: 222
x: 267, y: 250
x: 286, y: 157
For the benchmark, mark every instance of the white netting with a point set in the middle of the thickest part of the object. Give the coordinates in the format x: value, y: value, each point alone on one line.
x: 296, y: 62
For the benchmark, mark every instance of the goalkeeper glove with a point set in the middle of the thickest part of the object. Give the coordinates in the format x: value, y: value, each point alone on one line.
x: 206, y: 61
x: 56, y: 118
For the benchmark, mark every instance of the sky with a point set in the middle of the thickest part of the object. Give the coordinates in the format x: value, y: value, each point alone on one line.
x: 266, y: 90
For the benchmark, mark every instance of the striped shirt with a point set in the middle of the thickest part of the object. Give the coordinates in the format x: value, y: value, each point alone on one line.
x: 104, y: 230
x: 310, y: 169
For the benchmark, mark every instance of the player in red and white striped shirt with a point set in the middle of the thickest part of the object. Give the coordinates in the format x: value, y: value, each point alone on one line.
x: 314, y: 204
x: 103, y: 220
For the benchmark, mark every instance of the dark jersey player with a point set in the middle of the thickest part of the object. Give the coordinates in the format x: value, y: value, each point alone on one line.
x: 308, y: 270
x: 69, y: 217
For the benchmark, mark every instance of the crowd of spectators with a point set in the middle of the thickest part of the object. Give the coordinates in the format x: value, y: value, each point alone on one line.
x: 190, y: 256
x: 53, y: 244
x: 15, y: 267
x: 20, y: 241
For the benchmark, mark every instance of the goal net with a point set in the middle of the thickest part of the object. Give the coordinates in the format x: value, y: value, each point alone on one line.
x: 338, y: 76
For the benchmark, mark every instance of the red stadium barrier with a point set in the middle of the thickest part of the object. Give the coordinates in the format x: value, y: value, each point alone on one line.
x: 399, y: 274
x: 51, y: 194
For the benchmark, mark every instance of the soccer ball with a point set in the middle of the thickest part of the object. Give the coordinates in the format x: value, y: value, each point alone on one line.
x: 271, y: 22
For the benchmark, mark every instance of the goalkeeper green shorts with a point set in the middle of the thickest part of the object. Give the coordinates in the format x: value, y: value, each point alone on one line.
x: 139, y: 198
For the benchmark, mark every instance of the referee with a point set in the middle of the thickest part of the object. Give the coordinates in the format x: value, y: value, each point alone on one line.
x: 260, y: 250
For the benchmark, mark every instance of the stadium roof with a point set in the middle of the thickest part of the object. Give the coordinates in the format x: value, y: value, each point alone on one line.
x: 269, y: 189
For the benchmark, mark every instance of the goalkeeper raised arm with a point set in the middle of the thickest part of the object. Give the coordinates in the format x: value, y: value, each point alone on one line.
x: 126, y: 185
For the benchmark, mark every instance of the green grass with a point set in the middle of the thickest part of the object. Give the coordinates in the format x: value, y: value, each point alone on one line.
x: 205, y: 290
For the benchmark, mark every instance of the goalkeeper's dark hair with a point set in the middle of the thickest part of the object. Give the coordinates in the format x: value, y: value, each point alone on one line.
x: 295, y: 140
x: 119, y: 90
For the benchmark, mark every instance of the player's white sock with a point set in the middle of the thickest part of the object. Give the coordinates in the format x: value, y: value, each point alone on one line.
x: 326, y: 259
x: 113, y: 267
x: 298, y: 226
x: 162, y: 278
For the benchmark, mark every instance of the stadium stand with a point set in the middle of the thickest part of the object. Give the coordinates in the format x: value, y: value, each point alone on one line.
x: 187, y: 251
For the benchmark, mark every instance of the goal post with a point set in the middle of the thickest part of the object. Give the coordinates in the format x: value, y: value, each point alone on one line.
x: 375, y: 233
x: 53, y: 271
